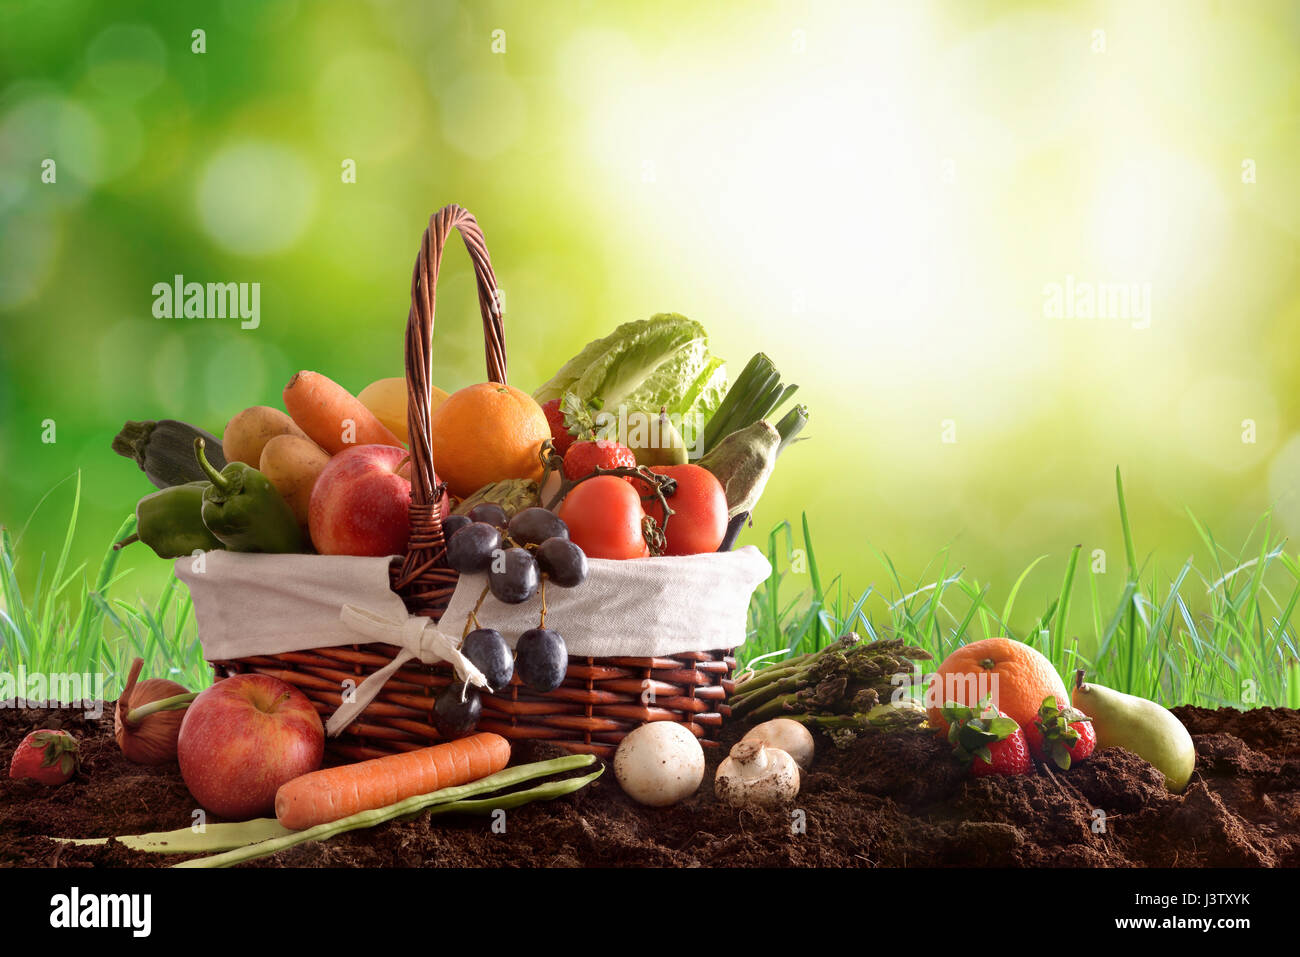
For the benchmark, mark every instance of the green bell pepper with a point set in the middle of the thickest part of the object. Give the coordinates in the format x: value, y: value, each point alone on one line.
x: 170, y: 521
x: 245, y: 511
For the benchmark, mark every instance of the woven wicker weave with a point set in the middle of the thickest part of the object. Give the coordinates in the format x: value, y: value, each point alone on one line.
x: 601, y: 700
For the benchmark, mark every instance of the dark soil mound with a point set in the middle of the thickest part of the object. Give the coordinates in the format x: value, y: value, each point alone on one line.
x: 889, y: 801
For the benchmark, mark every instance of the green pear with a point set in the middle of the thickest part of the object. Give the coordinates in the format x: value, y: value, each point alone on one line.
x: 654, y: 440
x: 1138, y: 725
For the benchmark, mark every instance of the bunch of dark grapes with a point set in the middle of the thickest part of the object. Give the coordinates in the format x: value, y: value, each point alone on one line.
x: 519, y: 555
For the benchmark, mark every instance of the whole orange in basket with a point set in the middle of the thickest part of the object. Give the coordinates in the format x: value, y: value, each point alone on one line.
x: 1016, y: 676
x: 486, y: 433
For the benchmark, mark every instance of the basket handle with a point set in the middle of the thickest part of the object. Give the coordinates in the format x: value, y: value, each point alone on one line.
x: 419, y: 331
x: 423, y: 579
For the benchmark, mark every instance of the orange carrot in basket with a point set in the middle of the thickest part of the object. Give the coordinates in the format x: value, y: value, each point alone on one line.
x: 324, y: 796
x: 333, y: 417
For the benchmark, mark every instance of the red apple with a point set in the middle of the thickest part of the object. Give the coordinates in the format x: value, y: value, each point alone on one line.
x: 360, y: 501
x: 244, y: 737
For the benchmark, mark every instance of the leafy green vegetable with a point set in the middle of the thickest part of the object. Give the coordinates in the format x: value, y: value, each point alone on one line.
x: 658, y: 363
x: 742, y: 463
x: 756, y: 394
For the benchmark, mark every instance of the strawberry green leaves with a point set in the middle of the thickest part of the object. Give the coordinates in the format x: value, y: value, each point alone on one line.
x: 1059, y: 731
x: 987, y: 741
x: 48, y: 757
x: 971, y: 731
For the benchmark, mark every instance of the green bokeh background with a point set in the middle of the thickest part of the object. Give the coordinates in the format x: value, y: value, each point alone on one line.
x: 877, y: 196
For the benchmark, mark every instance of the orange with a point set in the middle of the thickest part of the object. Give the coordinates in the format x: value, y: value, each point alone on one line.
x: 486, y: 433
x: 1017, y: 677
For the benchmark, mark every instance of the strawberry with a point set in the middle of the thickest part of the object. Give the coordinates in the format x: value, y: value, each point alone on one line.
x: 1063, y: 734
x: 570, y: 417
x: 575, y: 436
x: 47, y: 757
x: 561, y: 437
x: 988, y: 740
x: 584, y: 457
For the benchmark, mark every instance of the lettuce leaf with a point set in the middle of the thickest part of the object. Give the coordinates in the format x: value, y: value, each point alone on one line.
x: 663, y: 361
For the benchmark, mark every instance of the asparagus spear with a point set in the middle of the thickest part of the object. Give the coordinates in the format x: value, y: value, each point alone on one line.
x: 845, y: 680
x: 788, y: 667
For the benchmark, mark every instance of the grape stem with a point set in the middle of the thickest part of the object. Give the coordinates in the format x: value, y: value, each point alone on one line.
x: 473, y: 614
x: 542, y: 623
x: 662, y: 486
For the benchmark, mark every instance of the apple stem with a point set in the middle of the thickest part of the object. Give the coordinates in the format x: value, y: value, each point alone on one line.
x: 174, y: 703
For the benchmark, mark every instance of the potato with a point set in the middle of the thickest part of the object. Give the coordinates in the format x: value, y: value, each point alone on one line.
x: 293, y: 463
x: 248, y: 432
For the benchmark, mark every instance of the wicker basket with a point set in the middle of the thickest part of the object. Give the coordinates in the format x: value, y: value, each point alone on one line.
x: 601, y: 700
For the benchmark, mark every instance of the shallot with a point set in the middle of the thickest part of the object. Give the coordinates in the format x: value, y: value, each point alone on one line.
x: 148, y: 717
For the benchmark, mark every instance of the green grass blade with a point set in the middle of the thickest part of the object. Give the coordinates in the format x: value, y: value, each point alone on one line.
x: 1130, y: 551
x: 1063, y: 609
x: 1015, y: 589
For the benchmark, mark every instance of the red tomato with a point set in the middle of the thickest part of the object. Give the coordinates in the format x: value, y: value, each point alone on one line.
x: 604, y: 517
x: 699, y: 520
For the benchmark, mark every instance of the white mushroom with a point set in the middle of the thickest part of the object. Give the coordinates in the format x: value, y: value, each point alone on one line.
x: 754, y: 774
x: 659, y: 764
x: 787, y: 735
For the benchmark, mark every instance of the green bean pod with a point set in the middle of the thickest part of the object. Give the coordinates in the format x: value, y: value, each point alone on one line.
x: 448, y: 800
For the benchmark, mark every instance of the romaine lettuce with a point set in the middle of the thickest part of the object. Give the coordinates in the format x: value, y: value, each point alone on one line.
x: 660, y: 362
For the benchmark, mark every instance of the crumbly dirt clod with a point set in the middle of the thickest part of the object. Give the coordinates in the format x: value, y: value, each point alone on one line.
x: 889, y: 800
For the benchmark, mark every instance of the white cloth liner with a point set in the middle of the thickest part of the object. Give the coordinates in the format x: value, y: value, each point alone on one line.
x: 251, y: 604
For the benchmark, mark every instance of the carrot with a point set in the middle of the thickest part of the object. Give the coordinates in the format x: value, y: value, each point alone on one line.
x: 334, y: 793
x: 333, y: 417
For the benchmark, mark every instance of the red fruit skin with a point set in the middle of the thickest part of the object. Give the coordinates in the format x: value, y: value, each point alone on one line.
x: 1034, y: 738
x: 583, y: 458
x: 244, y: 737
x: 604, y: 518
x: 1010, y: 758
x: 699, y: 520
x: 561, y: 438
x: 1086, y: 744
x: 28, y: 758
x: 360, y: 503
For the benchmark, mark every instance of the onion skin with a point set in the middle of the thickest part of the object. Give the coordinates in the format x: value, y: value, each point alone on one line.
x: 152, y: 740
